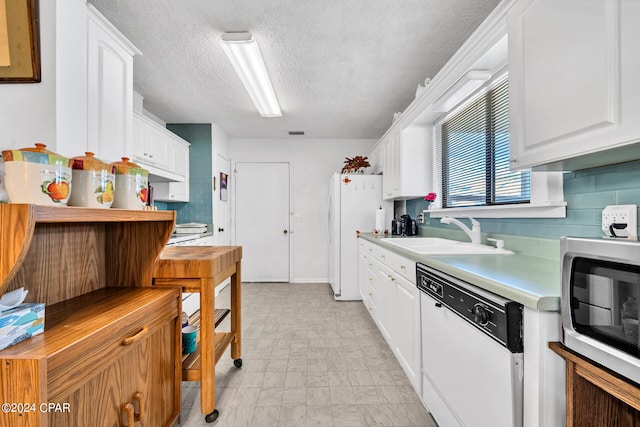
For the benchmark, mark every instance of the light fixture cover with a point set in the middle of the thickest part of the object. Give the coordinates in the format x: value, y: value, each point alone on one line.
x: 243, y: 52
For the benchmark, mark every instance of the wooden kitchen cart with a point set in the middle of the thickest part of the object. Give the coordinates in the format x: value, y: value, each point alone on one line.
x: 109, y: 354
x: 595, y: 395
x: 200, y: 269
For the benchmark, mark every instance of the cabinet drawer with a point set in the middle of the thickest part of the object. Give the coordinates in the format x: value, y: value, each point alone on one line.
x: 109, y: 329
x: 401, y: 265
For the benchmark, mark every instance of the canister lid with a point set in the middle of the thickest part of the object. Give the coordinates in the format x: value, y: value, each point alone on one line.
x: 37, y: 154
x: 91, y: 163
x: 125, y: 167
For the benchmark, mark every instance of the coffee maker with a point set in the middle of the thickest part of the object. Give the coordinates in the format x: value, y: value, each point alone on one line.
x: 409, y: 226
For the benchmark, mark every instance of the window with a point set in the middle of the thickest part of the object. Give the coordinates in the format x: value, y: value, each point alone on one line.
x: 474, y: 144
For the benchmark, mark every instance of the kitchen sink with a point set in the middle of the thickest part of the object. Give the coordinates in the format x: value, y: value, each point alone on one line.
x: 439, y: 246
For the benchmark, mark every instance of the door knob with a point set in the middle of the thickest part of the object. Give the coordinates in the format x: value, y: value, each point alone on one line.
x: 220, y: 230
x: 285, y: 231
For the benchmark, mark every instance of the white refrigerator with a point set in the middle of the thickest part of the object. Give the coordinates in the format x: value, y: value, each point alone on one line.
x: 353, y: 201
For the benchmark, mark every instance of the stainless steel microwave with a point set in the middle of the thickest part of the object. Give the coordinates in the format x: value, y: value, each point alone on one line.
x: 600, y: 301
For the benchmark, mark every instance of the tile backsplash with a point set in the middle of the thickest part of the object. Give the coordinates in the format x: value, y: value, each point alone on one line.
x: 199, y: 208
x: 586, y: 192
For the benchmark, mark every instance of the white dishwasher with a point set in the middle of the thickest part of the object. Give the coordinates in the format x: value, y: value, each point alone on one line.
x: 472, y: 360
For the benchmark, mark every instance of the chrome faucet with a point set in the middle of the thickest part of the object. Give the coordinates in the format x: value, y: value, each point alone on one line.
x: 473, y: 232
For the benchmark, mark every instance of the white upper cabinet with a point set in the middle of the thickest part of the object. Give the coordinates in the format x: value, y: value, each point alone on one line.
x: 179, y: 164
x: 407, y: 162
x: 573, y: 82
x: 151, y: 142
x: 159, y: 150
x: 110, y: 89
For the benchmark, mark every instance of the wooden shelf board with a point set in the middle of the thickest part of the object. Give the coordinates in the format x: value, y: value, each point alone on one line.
x: 73, y: 320
x: 191, y: 362
x: 66, y: 214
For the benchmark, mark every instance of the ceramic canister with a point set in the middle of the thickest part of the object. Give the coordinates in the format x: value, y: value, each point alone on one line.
x: 37, y: 175
x: 93, y: 182
x: 132, y: 185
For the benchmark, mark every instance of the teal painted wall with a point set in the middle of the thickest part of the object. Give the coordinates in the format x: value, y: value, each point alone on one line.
x: 586, y: 192
x: 199, y: 208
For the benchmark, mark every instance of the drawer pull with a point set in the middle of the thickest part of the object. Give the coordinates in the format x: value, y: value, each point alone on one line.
x: 126, y: 414
x: 135, y: 337
x: 137, y: 405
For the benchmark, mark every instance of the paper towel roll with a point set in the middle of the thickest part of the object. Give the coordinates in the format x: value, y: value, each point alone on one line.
x: 380, y: 220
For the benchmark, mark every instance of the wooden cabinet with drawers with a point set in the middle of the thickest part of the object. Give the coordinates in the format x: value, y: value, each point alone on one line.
x: 110, y: 352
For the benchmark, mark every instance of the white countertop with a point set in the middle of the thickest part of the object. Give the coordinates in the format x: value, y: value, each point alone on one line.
x: 532, y: 281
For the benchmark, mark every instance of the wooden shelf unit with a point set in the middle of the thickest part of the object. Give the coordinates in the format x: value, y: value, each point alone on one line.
x: 597, y: 396
x: 110, y: 348
x: 201, y: 269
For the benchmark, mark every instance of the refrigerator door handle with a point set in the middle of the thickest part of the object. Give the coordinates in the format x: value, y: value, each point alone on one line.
x: 329, y: 219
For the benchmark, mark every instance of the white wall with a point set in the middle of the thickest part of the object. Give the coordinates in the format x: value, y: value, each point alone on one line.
x: 27, y: 111
x: 313, y: 161
x: 53, y: 111
x: 221, y: 210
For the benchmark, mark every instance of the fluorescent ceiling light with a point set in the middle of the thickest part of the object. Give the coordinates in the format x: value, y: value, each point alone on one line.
x: 243, y: 52
x: 461, y: 89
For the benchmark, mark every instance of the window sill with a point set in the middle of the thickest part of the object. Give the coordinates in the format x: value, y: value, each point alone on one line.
x: 529, y: 210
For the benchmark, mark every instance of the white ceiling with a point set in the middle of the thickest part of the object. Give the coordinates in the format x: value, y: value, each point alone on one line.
x: 340, y: 68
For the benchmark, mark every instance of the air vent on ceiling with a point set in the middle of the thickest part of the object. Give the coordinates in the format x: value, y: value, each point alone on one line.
x: 296, y: 132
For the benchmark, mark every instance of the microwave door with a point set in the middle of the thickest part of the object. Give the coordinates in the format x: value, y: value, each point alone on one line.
x: 587, y: 314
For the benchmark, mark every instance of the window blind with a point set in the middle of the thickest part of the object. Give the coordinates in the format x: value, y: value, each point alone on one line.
x: 475, y: 154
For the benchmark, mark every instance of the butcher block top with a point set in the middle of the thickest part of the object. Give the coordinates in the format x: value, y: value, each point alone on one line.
x: 196, y: 261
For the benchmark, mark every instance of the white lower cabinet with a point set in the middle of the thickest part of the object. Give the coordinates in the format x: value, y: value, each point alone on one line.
x: 407, y: 342
x: 388, y: 289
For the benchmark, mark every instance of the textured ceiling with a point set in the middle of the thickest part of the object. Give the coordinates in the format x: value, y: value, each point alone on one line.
x: 340, y: 68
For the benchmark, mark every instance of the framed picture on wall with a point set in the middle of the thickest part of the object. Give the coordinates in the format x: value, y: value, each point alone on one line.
x: 19, y: 41
x: 223, y: 186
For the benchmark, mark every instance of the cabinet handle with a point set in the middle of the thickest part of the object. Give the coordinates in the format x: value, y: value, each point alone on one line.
x: 382, y: 256
x: 403, y: 267
x: 126, y: 414
x: 137, y: 406
x: 438, y: 304
x: 391, y: 278
x: 135, y: 337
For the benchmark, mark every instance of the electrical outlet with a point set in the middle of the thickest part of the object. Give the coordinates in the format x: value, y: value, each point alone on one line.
x: 620, y: 221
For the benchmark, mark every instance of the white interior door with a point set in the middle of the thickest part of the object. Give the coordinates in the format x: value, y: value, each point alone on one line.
x: 221, y: 208
x: 262, y: 220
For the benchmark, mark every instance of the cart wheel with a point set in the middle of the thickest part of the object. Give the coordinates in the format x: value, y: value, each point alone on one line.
x: 238, y: 363
x: 212, y: 416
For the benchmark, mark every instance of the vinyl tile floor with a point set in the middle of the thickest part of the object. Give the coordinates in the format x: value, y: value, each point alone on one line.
x: 308, y: 360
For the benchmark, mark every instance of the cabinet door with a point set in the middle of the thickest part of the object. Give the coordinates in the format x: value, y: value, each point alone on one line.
x: 140, y: 137
x: 157, y: 150
x: 175, y: 191
x: 573, y: 84
x: 363, y: 273
x: 386, y: 285
x: 148, y: 369
x: 110, y: 89
x: 152, y: 373
x: 407, y: 338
